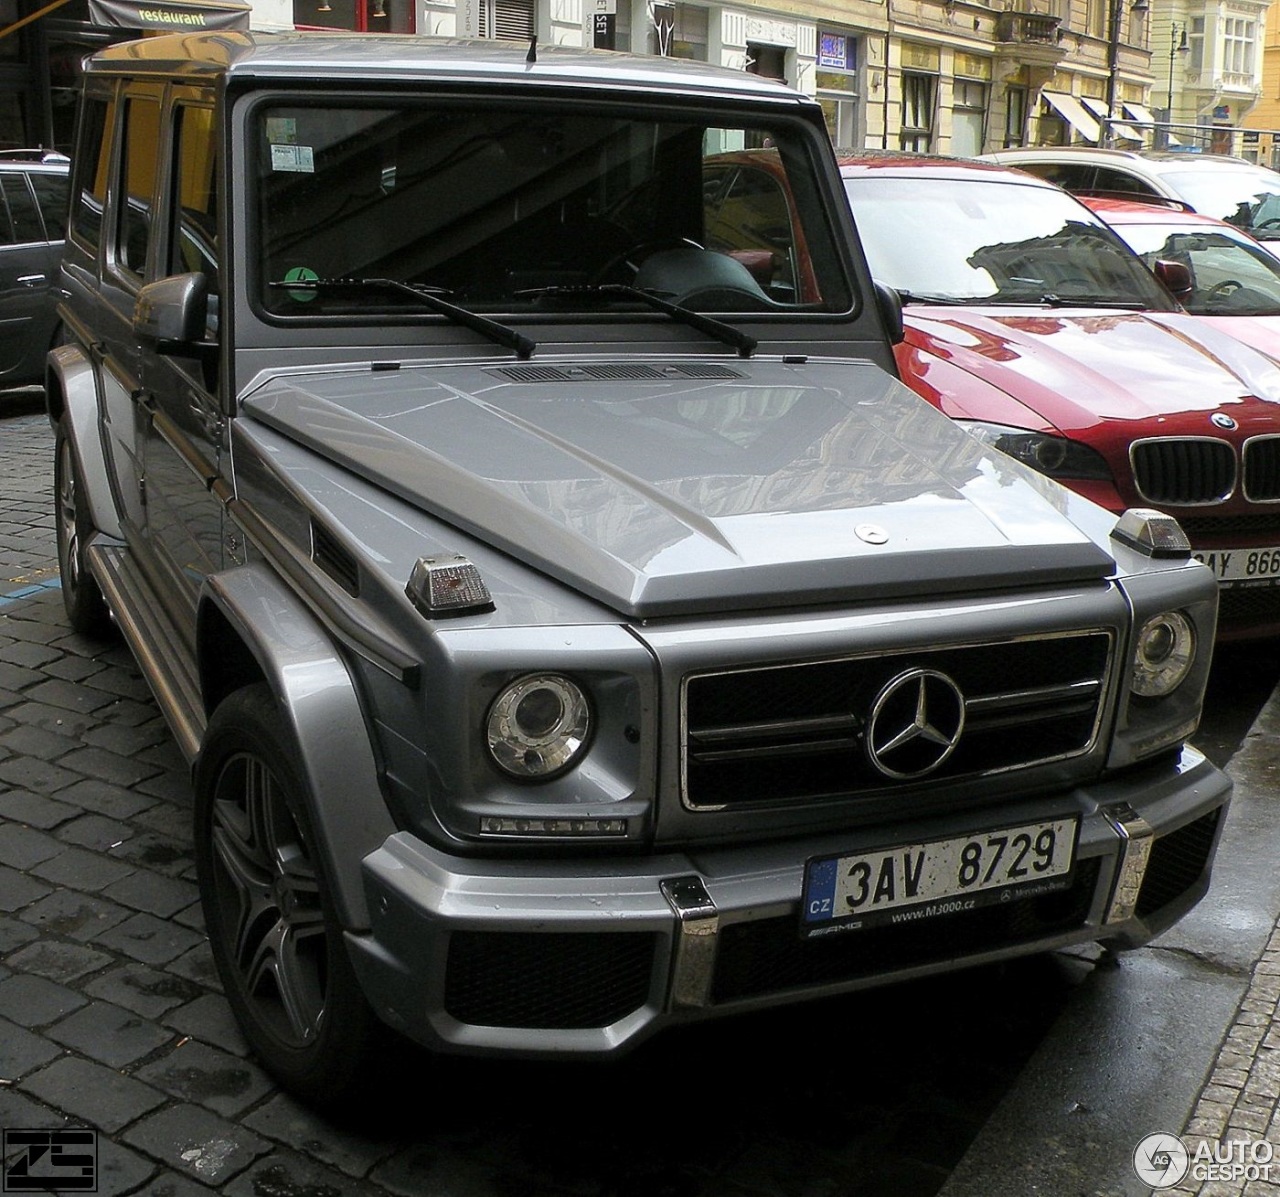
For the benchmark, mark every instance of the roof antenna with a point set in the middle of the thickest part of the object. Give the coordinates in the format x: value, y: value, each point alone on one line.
x: 532, y: 56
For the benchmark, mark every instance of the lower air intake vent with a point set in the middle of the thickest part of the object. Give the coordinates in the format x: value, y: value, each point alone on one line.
x: 551, y: 981
x: 1177, y: 862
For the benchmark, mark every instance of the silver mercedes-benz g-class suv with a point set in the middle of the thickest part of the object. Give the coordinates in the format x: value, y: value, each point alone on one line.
x: 574, y: 626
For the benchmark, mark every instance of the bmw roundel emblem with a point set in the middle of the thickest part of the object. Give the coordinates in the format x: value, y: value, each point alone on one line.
x: 915, y: 723
x: 1220, y: 419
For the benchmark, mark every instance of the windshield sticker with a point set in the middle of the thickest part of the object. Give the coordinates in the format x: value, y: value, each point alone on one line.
x: 301, y: 274
x: 297, y: 158
x: 282, y: 130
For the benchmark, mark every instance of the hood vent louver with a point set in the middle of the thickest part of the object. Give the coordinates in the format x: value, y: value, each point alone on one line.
x: 334, y: 559
x: 616, y: 372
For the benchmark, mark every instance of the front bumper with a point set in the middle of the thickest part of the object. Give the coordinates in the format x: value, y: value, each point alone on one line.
x: 587, y: 956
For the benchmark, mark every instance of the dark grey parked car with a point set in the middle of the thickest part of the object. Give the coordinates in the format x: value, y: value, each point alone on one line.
x: 574, y: 625
x: 33, y: 218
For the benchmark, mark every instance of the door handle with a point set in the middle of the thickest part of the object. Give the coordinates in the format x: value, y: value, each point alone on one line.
x: 31, y: 280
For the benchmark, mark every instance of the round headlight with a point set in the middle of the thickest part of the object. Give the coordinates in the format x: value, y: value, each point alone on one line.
x: 1166, y: 650
x: 538, y: 726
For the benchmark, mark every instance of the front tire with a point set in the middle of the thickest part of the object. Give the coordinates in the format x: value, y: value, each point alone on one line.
x: 275, y: 938
x: 86, y: 608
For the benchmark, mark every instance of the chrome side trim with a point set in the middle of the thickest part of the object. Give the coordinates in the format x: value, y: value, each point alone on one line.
x: 1137, y: 837
x: 157, y: 644
x: 694, y: 965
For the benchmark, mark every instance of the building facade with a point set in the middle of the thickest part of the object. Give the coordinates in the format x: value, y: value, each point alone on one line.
x: 949, y: 76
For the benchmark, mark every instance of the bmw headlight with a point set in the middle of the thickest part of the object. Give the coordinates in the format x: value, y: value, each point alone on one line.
x: 1165, y: 651
x: 1056, y: 456
x: 538, y: 726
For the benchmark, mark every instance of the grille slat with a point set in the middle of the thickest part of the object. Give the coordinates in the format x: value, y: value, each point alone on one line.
x: 1026, y: 703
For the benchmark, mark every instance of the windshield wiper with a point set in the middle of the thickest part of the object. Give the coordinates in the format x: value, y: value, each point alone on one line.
x: 954, y: 301
x: 430, y: 299
x: 724, y: 333
x: 1054, y: 300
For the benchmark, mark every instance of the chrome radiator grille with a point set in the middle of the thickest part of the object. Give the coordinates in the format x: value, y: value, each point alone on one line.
x: 801, y: 732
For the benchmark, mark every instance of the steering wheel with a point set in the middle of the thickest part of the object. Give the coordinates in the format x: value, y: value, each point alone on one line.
x: 1222, y: 290
x: 634, y: 256
x: 1272, y: 222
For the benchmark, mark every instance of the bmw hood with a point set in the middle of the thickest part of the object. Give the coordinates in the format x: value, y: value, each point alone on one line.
x: 676, y: 487
x: 1077, y: 369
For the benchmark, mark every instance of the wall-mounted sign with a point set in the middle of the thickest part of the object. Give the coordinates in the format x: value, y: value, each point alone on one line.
x: 836, y: 50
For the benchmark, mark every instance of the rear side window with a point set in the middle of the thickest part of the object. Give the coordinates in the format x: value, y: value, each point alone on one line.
x: 20, y: 209
x: 52, y: 192
x: 93, y: 168
x: 139, y: 164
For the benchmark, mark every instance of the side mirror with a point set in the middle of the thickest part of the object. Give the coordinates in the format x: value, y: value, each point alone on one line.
x: 890, y: 304
x: 172, y: 311
x: 1176, y: 278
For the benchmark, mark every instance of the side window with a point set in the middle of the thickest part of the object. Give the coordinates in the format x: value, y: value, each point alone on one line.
x: 92, y: 169
x: 751, y: 221
x: 7, y: 236
x: 20, y: 205
x: 1117, y: 182
x: 52, y: 194
x: 193, y: 234
x: 139, y: 163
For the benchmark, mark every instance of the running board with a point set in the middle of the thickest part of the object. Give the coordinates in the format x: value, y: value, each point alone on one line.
x: 157, y: 645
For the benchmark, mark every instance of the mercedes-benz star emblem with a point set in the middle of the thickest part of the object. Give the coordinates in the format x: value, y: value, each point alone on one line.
x: 916, y: 722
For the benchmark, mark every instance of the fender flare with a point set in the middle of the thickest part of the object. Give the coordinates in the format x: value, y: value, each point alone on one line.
x: 71, y: 375
x: 318, y: 700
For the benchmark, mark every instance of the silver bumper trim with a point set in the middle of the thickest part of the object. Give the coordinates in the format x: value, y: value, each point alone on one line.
x: 693, y: 966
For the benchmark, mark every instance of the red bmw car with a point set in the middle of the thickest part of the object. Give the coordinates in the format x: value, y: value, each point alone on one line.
x: 1028, y: 319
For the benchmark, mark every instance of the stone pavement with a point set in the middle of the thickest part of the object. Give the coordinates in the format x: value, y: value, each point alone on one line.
x: 111, y: 1018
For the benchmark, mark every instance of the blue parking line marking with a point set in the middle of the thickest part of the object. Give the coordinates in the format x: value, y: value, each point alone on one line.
x: 27, y: 591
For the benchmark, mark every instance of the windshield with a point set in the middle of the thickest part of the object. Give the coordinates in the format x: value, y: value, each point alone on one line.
x: 1230, y: 274
x: 982, y: 241
x: 553, y: 210
x: 1248, y: 199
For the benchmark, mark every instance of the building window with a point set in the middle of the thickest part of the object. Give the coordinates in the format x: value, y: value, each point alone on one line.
x: 836, y: 82
x: 918, y: 93
x: 1196, y: 41
x: 1015, y: 117
x: 1237, y: 46
x: 968, y: 117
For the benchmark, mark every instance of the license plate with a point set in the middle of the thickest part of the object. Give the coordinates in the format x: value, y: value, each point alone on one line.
x: 936, y: 877
x: 1241, y: 565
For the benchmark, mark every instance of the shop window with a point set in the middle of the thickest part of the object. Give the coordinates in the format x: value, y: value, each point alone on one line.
x: 1015, y: 117
x: 836, y: 81
x: 918, y: 92
x: 679, y: 31
x: 968, y: 117
x: 767, y: 61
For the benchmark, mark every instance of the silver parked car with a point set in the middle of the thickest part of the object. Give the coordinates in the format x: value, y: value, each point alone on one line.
x: 574, y: 625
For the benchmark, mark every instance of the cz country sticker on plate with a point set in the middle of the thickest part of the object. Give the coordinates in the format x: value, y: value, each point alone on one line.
x: 912, y: 882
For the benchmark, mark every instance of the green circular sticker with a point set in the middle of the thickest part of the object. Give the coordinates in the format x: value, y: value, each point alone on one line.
x: 301, y: 274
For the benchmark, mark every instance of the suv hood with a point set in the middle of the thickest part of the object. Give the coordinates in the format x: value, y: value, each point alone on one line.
x: 675, y: 487
x: 1077, y: 370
